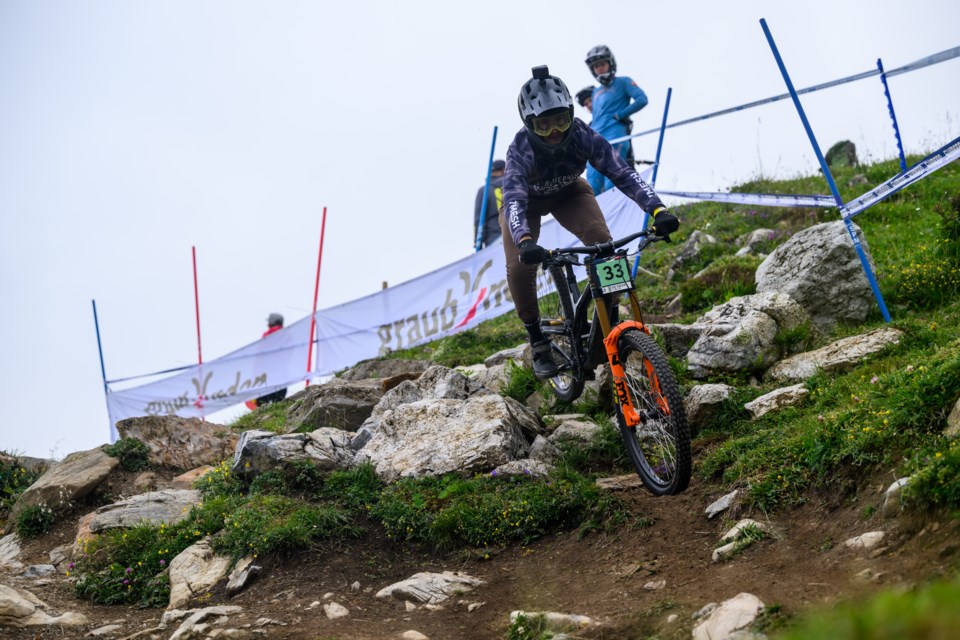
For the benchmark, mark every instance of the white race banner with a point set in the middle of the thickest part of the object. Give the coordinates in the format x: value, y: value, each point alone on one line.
x: 453, y: 298
x: 270, y: 364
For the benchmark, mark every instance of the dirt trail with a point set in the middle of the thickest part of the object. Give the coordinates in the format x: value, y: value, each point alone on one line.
x: 601, y: 575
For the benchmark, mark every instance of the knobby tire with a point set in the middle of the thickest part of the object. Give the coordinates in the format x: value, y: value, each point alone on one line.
x: 659, y: 446
x: 567, y: 385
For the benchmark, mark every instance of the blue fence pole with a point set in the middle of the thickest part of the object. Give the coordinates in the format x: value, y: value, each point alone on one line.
x: 103, y: 371
x: 826, y: 172
x: 656, y: 167
x: 486, y: 192
x: 893, y: 115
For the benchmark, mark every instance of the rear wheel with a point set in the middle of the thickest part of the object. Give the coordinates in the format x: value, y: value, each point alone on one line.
x: 660, y: 445
x: 556, y: 322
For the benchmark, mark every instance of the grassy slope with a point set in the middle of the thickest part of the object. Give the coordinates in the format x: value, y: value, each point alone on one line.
x: 885, y: 416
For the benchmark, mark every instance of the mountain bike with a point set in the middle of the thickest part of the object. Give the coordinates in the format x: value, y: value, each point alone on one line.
x: 584, y: 330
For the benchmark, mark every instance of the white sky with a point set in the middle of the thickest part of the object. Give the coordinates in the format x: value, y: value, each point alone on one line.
x: 131, y: 131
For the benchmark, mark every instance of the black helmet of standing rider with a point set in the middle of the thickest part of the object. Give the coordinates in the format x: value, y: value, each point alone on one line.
x: 583, y: 95
x: 546, y: 109
x: 601, y: 53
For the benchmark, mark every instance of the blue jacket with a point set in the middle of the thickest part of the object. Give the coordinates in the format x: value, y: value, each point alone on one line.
x: 612, y: 104
x: 533, y: 172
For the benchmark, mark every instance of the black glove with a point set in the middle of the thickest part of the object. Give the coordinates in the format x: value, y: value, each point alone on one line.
x: 665, y: 223
x: 531, y: 252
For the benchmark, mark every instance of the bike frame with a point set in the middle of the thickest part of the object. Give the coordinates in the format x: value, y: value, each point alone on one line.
x: 609, y: 331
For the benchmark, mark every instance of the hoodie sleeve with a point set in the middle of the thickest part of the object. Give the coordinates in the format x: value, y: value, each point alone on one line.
x: 515, y: 190
x: 608, y: 162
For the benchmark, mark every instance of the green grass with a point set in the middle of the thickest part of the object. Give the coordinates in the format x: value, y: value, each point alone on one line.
x: 927, y: 613
x: 448, y: 511
x: 15, y: 478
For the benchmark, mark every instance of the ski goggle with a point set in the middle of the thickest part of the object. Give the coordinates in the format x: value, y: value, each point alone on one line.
x: 545, y: 125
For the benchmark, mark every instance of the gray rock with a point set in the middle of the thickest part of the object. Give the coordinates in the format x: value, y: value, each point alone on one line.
x: 20, y: 608
x: 732, y: 615
x: 703, y: 402
x: 893, y: 498
x: 753, y: 238
x: 72, y: 479
x: 158, y: 507
x: 430, y: 588
x: 571, y: 430
x: 38, y: 571
x: 740, y: 335
x: 838, y: 356
x: 691, y: 251
x: 820, y: 269
x: 195, y: 571
x: 620, y: 483
x: 433, y: 437
x: 721, y: 504
x: 340, y: 404
x: 865, y: 541
x: 777, y: 399
x: 531, y: 468
x: 335, y: 611
x: 385, y: 369
x: 180, y: 443
x: 842, y: 154
x: 544, y: 451
x: 193, y: 620
x: 10, y: 552
x: 678, y: 338
x: 556, y: 622
x: 519, y: 354
x: 327, y: 448
x: 242, y: 575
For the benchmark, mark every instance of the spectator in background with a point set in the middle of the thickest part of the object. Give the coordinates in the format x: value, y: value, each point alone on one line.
x: 274, y: 323
x: 491, y: 224
x: 614, y: 101
x: 585, y: 98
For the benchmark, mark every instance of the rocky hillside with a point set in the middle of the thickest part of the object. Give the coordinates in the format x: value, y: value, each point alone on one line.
x: 438, y: 494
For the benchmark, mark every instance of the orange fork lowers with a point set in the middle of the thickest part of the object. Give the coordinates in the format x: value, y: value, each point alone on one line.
x: 630, y: 415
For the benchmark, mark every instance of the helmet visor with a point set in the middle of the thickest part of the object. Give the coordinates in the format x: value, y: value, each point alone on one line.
x: 545, y: 125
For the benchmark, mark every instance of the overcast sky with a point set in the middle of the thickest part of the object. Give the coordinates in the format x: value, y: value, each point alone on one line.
x: 132, y: 131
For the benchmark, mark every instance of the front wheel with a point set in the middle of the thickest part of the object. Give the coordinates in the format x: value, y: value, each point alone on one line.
x: 660, y: 445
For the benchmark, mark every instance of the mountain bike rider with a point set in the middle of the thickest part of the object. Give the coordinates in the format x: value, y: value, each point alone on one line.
x: 542, y: 176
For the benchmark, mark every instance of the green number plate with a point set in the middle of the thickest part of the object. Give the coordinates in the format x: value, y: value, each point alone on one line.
x: 614, y: 275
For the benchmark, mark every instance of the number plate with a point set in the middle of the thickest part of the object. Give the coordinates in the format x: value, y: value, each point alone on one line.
x: 614, y: 275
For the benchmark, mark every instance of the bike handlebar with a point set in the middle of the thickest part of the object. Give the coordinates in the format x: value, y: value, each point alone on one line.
x: 607, y: 248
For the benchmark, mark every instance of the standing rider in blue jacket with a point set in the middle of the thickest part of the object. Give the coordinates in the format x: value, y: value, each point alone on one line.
x: 614, y: 101
x: 542, y: 176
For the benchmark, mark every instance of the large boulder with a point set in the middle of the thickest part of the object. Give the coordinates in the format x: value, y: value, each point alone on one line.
x: 444, y: 422
x: 843, y: 354
x: 740, y: 335
x: 75, y: 477
x: 155, y: 508
x: 433, y: 437
x: 339, y: 404
x: 260, y: 451
x: 820, y: 269
x: 180, y: 443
